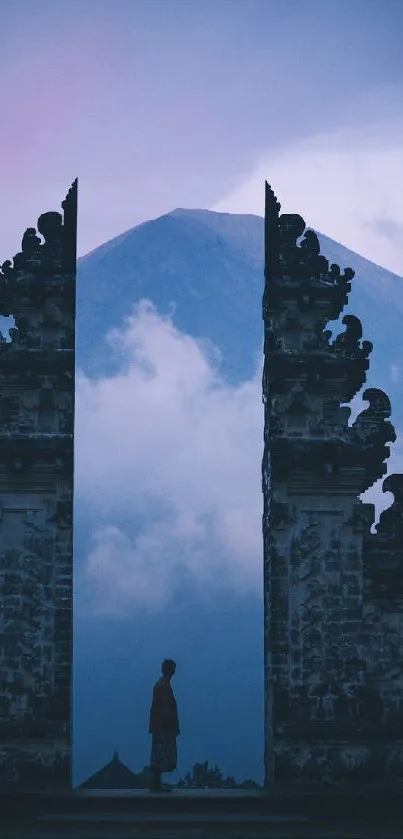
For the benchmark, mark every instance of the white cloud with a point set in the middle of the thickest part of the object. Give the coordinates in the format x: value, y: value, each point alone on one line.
x: 168, y: 458
x: 344, y: 184
x: 175, y: 451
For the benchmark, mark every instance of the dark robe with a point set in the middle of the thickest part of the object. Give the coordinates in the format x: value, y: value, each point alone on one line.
x: 164, y: 727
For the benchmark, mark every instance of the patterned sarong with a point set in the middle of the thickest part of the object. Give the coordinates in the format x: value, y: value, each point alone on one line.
x: 163, y: 752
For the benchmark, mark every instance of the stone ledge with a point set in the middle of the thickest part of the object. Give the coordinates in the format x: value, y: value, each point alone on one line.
x: 366, y: 803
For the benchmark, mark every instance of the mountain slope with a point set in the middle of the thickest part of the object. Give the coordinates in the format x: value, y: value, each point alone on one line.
x: 177, y: 260
x: 207, y: 269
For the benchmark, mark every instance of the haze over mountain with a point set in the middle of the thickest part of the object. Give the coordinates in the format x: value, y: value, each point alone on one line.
x: 168, y: 492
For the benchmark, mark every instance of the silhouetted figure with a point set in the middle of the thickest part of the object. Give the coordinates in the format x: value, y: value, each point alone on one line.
x: 164, y: 726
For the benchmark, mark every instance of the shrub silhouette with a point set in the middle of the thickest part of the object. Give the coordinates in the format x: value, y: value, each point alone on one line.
x: 205, y: 777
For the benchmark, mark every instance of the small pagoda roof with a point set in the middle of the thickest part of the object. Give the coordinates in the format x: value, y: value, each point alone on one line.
x: 114, y: 775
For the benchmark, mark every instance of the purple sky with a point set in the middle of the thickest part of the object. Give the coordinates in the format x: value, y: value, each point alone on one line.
x: 155, y: 104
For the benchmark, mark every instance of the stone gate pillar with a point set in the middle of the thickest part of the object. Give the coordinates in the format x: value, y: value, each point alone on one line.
x: 37, y: 378
x: 333, y: 591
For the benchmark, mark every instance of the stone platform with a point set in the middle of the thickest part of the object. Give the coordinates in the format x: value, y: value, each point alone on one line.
x: 202, y: 814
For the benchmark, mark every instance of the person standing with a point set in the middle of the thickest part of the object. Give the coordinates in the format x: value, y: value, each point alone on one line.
x: 164, y: 726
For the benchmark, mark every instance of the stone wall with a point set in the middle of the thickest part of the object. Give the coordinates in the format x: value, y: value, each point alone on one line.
x: 333, y: 591
x: 37, y: 376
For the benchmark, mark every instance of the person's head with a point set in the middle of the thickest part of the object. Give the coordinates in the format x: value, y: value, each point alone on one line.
x: 168, y: 668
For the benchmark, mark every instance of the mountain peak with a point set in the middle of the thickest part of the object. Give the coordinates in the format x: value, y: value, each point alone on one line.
x: 206, y: 214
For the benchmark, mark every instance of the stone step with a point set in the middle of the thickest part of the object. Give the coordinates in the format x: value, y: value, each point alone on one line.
x: 199, y: 814
x: 143, y: 801
x: 201, y: 826
x: 219, y: 801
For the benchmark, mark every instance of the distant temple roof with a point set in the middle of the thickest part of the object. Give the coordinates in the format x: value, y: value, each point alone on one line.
x: 115, y: 775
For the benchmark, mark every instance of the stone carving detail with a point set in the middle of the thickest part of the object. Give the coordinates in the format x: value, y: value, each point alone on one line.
x: 36, y: 479
x: 373, y: 430
x: 333, y: 591
x: 371, y: 424
x: 348, y: 342
x: 391, y: 520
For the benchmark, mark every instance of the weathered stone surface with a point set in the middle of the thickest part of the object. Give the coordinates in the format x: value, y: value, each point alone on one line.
x: 37, y: 374
x: 333, y: 591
